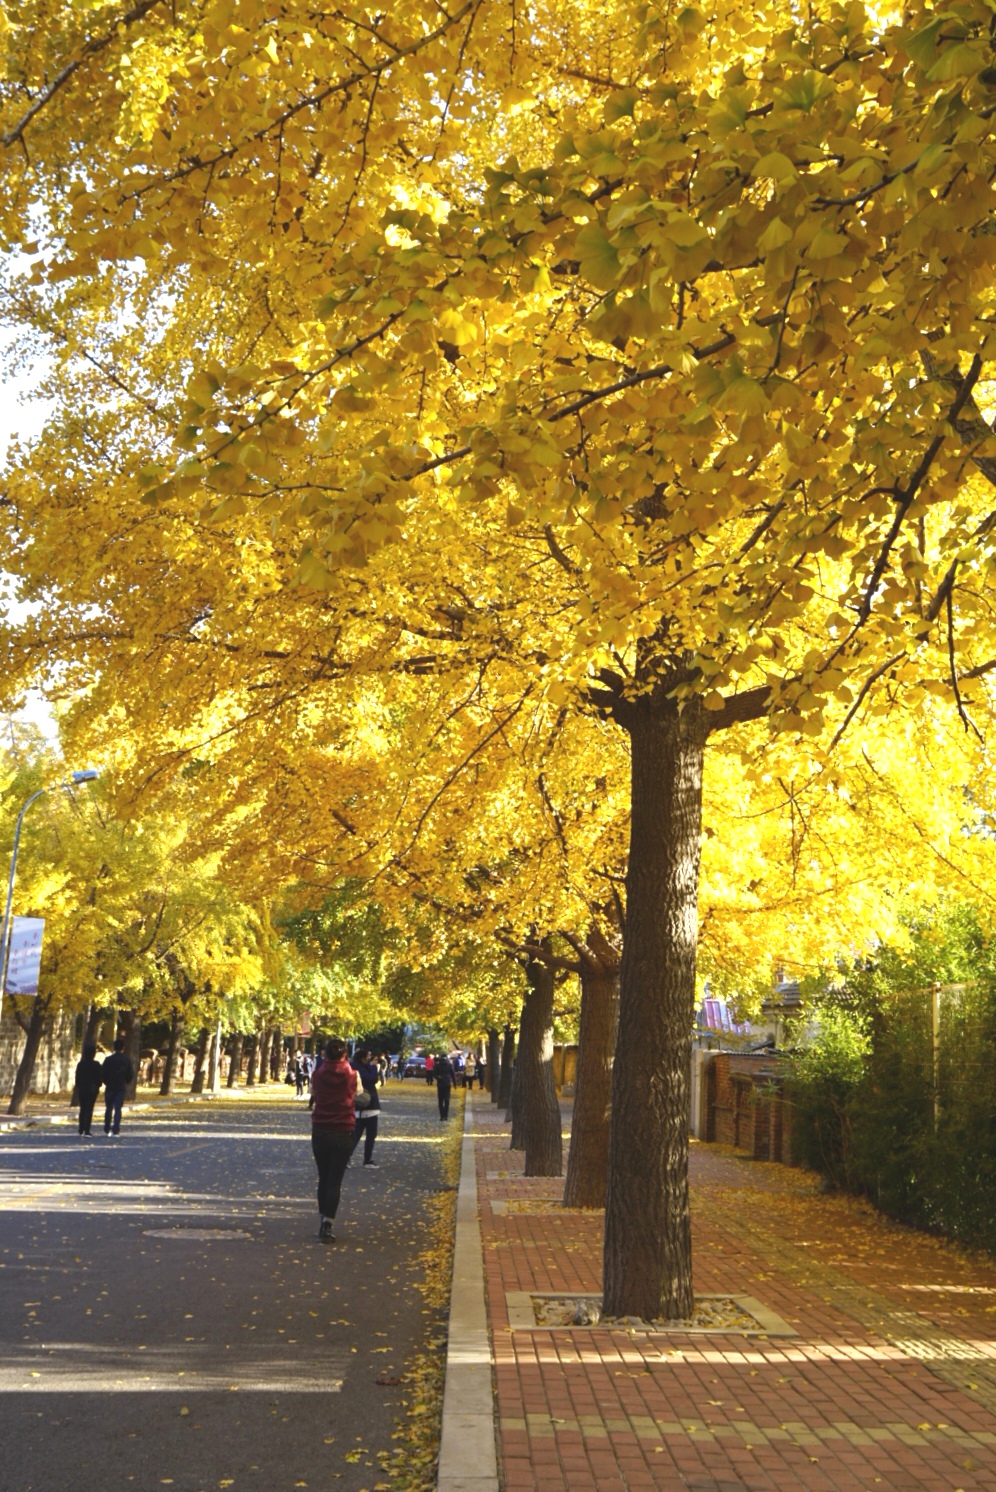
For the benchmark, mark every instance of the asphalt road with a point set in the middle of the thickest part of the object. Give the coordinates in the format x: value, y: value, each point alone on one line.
x: 168, y: 1317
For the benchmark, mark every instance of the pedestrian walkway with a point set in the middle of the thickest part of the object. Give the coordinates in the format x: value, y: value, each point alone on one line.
x: 889, y: 1380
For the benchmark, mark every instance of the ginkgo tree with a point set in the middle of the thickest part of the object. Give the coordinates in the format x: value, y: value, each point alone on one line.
x: 674, y: 328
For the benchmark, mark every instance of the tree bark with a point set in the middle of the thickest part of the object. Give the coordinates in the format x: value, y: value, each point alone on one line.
x: 214, y: 1060
x: 131, y: 1030
x: 507, y: 1061
x: 647, y: 1262
x: 92, y: 1024
x: 588, y: 1157
x: 513, y: 1114
x: 176, y: 1025
x: 276, y: 1047
x: 235, y: 1069
x: 200, y: 1054
x: 26, y: 1066
x: 537, y: 1095
x: 253, y: 1045
x: 74, y: 1097
x: 265, y: 1040
x: 492, y: 1072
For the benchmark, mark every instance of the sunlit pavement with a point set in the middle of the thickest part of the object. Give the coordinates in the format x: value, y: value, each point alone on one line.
x: 169, y: 1319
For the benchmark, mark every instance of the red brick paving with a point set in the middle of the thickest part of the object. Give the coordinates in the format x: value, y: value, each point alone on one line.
x: 845, y: 1405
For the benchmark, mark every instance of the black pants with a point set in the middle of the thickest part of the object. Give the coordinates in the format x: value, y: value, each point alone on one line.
x: 87, y: 1101
x: 366, y: 1125
x: 331, y: 1149
x: 443, y: 1094
x: 112, y: 1112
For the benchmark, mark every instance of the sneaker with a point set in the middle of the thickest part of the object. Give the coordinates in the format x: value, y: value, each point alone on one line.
x: 371, y: 1165
x: 326, y: 1231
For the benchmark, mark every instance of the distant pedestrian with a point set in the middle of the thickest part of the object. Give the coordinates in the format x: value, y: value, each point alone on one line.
x: 367, y: 1120
x: 429, y: 1064
x: 299, y: 1076
x: 459, y: 1069
x: 470, y: 1067
x: 117, y: 1073
x: 482, y: 1071
x: 443, y: 1073
x: 89, y: 1076
x: 333, y: 1119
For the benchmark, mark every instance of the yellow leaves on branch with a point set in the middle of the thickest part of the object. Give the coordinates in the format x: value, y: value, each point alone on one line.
x: 459, y: 358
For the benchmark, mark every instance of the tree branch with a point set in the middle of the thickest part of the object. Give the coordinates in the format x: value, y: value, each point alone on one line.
x: 90, y: 49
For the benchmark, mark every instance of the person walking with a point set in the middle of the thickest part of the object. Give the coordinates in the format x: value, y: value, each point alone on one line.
x: 368, y: 1075
x: 430, y: 1062
x: 470, y: 1067
x: 333, y: 1119
x: 89, y: 1076
x: 299, y: 1076
x: 443, y: 1073
x: 117, y: 1073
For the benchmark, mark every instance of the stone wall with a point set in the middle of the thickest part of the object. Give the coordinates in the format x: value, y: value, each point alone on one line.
x: 57, y: 1055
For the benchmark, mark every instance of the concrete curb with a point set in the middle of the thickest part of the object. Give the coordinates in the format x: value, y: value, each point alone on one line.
x: 468, y: 1457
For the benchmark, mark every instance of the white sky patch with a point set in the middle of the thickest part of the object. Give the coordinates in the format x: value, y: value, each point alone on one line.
x: 23, y: 413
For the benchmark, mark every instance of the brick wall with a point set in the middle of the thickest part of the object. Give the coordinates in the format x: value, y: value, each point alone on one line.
x: 744, y: 1105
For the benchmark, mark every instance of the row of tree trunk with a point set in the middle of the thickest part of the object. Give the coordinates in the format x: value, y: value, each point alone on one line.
x: 34, y: 1018
x: 521, y: 1081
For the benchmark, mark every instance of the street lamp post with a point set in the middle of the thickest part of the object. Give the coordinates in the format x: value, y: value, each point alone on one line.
x: 89, y: 775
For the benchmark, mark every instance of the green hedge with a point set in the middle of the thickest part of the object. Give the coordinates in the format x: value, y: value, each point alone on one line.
x: 882, y: 1114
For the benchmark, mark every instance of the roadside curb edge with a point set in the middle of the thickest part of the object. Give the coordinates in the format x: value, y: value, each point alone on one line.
x: 468, y: 1395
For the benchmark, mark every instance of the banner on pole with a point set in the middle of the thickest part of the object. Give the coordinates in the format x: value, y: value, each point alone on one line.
x: 24, y: 959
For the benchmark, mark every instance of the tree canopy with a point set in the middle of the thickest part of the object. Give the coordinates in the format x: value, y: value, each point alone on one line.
x: 439, y: 392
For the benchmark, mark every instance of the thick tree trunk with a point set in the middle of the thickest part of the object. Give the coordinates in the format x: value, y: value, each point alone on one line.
x: 26, y: 1066
x: 513, y: 1114
x: 492, y: 1072
x: 235, y: 1069
x: 265, y: 1041
x: 131, y: 1030
x: 507, y: 1063
x: 175, y: 1032
x: 74, y: 1097
x: 214, y: 1060
x: 93, y: 1022
x: 276, y: 1047
x: 200, y: 1056
x: 537, y: 1095
x: 588, y: 1157
x: 648, y: 1252
x: 253, y: 1047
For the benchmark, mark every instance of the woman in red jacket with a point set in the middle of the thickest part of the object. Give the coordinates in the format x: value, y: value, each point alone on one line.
x: 333, y: 1089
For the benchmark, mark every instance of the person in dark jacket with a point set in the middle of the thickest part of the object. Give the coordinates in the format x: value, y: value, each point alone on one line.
x: 89, y: 1076
x: 333, y: 1088
x: 117, y: 1073
x: 368, y: 1074
x: 443, y: 1072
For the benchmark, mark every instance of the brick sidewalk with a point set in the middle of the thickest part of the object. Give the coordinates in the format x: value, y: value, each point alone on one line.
x: 890, y: 1382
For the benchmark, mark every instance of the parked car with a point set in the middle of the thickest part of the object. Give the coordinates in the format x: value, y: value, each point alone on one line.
x: 414, y: 1067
